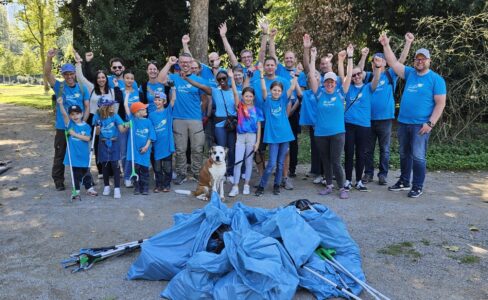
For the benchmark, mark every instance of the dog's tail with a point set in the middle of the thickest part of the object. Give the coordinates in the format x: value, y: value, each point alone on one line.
x: 183, y: 192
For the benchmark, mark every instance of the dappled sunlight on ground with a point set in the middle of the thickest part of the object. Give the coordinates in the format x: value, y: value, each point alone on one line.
x: 477, y: 188
x: 12, y: 142
x: 450, y: 214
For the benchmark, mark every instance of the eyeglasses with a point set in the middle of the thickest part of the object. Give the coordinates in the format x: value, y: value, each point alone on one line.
x: 117, y: 67
x: 420, y: 59
x: 222, y: 79
x: 356, y: 74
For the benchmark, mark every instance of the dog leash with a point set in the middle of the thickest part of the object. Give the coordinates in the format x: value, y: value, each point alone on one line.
x: 251, y: 153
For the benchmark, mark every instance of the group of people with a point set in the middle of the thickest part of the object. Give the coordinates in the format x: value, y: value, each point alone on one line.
x: 187, y: 106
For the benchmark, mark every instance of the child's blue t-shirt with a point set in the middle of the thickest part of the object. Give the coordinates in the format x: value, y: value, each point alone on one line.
x: 79, y: 150
x: 358, y: 105
x: 248, y: 118
x: 256, y: 84
x: 330, y: 112
x: 110, y: 80
x: 152, y: 88
x: 308, y: 110
x: 71, y: 96
x: 218, y: 101
x: 418, y: 96
x: 383, y: 101
x: 142, y: 131
x: 108, y: 126
x: 133, y: 97
x: 277, y: 129
x: 188, y: 103
x: 162, y: 122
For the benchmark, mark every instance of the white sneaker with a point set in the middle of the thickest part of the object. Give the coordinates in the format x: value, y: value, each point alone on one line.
x: 230, y: 179
x: 117, y: 193
x: 100, y: 176
x: 234, y: 192
x: 243, y: 176
x: 318, y: 179
x: 246, y: 190
x: 106, y: 190
x: 128, y: 183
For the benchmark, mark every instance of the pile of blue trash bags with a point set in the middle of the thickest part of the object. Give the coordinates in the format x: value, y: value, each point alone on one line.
x: 249, y: 253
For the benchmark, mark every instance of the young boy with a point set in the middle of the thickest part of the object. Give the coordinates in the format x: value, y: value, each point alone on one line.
x: 164, y: 146
x: 79, y: 148
x: 143, y: 134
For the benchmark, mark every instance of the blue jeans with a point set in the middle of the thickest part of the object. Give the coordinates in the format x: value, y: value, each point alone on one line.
x: 277, y: 154
x: 227, y: 139
x: 381, y: 131
x: 413, y: 151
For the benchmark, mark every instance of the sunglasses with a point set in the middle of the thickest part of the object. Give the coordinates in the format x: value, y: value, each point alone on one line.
x: 356, y: 74
x: 222, y: 79
x: 420, y: 59
x: 117, y: 67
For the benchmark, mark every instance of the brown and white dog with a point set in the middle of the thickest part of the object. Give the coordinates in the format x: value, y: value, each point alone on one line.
x: 212, y: 176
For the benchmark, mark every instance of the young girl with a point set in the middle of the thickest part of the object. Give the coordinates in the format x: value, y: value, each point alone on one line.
x: 248, y: 134
x: 108, y: 124
x: 164, y: 146
x: 277, y: 132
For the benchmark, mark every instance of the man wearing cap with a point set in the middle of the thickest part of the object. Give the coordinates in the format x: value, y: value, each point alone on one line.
x: 422, y: 104
x: 73, y: 94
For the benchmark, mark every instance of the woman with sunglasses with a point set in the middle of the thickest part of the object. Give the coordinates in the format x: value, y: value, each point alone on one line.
x: 223, y: 98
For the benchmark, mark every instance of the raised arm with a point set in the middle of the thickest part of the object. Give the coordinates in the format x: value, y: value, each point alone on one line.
x: 406, y: 48
x: 347, y: 80
x: 314, y: 85
x: 79, y: 73
x: 391, y: 60
x: 264, y: 41
x: 48, y: 67
x: 234, y: 88
x: 264, y: 92
x: 163, y: 74
x: 205, y: 88
x: 118, y: 95
x: 227, y: 47
x: 376, y: 65
x: 341, y: 56
x: 292, y: 87
x: 172, y: 96
x: 272, y: 45
x: 87, y: 67
x: 362, y: 60
x: 185, y: 40
x: 63, y: 110
x: 307, y: 44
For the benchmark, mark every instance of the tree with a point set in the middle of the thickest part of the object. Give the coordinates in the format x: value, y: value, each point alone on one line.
x: 7, y: 66
x: 199, y: 29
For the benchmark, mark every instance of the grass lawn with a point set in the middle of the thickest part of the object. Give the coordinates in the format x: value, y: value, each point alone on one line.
x: 27, y: 95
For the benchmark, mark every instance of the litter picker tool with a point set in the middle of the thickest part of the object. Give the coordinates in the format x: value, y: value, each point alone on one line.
x: 340, y: 289
x: 133, y: 173
x: 74, y: 193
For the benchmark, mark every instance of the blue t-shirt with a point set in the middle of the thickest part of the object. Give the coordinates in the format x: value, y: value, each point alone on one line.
x: 162, y: 122
x: 79, y: 150
x: 143, y: 131
x: 256, y: 84
x: 152, y: 88
x: 308, y: 110
x: 359, y: 111
x: 133, y: 97
x: 188, y: 103
x: 109, y: 126
x: 330, y: 112
x: 418, y: 96
x: 302, y: 79
x: 218, y: 101
x: 71, y: 96
x: 209, y: 76
x: 111, y: 85
x: 383, y: 101
x: 248, y: 118
x: 286, y: 73
x: 277, y: 129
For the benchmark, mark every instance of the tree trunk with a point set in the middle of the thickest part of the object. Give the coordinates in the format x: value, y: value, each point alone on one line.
x: 199, y: 29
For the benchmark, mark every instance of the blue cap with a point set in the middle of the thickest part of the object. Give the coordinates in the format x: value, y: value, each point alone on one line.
x: 67, y: 68
x: 104, y: 101
x: 74, y: 108
x: 160, y: 95
x: 424, y: 52
x: 379, y: 54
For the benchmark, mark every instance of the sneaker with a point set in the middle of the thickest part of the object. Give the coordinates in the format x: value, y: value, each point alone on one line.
x: 59, y: 186
x: 117, y: 193
x: 234, y: 191
x: 415, y: 192
x: 347, y: 185
x: 91, y: 192
x: 318, y: 179
x: 367, y: 178
x: 128, y: 183
x: 106, y: 190
x: 382, y: 180
x: 399, y: 186
x: 166, y: 189
x: 173, y: 175
x: 136, y: 192
x: 156, y: 190
x: 276, y: 189
x: 100, y: 176
x: 360, y: 187
x: 324, y: 182
x: 76, y: 197
x: 259, y: 191
x: 243, y: 176
x: 230, y: 179
x: 246, y: 190
x: 145, y: 193
x: 344, y: 193
x: 181, y: 178
x: 288, y: 184
x: 327, y: 190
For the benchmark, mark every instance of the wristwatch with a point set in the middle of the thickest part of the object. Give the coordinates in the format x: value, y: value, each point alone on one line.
x: 430, y: 124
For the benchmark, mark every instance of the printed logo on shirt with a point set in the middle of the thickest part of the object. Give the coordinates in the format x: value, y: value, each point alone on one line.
x: 329, y: 102
x: 276, y: 111
x: 142, y: 132
x: 161, y: 126
x: 108, y: 128
x: 413, y: 88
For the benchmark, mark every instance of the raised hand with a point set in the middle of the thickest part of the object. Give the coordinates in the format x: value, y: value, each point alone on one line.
x: 264, y: 26
x: 342, y: 55
x: 409, y: 37
x: 78, y: 58
x: 230, y: 73
x: 260, y: 68
x: 384, y: 40
x: 223, y: 29
x: 59, y: 100
x: 299, y: 68
x: 273, y: 32
x: 89, y: 56
x: 172, y: 60
x: 350, y: 50
x: 313, y: 53
x: 329, y: 57
x: 52, y: 53
x: 115, y: 81
x: 364, y: 51
x: 377, y: 61
x: 185, y: 39
x: 307, y: 41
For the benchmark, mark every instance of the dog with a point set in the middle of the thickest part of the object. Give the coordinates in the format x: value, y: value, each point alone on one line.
x: 211, y: 177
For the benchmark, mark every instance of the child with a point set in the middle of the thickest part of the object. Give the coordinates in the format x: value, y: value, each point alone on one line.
x: 164, y: 146
x: 108, y: 126
x: 79, y: 148
x: 143, y: 134
x: 277, y: 132
x: 249, y: 119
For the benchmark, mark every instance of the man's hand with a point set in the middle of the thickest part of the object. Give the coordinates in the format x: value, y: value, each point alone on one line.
x: 115, y: 81
x: 144, y: 149
x: 329, y: 57
x: 185, y: 39
x: 350, y: 50
x: 256, y: 147
x: 264, y: 26
x: 307, y: 41
x: 52, y: 53
x: 89, y: 56
x: 364, y: 51
x: 377, y: 62
x: 341, y: 56
x: 172, y: 60
x: 273, y: 33
x: 384, y: 40
x: 223, y: 29
x: 313, y: 53
x: 425, y: 129
x: 409, y: 37
x: 78, y: 58
x: 230, y: 73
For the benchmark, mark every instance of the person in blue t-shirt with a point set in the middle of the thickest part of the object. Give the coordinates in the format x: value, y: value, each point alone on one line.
x: 277, y: 133
x: 78, y: 156
x: 329, y: 126
x: 143, y: 134
x: 148, y: 89
x: 163, y: 146
x: 72, y: 94
x: 422, y: 104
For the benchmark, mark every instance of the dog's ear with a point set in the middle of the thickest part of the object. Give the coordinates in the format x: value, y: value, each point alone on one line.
x: 212, y: 149
x: 226, y: 150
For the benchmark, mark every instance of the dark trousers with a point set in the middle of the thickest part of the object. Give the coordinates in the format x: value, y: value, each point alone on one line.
x: 57, y: 172
x: 316, y: 166
x: 110, y: 168
x: 142, y: 185
x: 83, y: 176
x: 330, y: 149
x: 295, y: 128
x: 163, y: 169
x: 97, y: 138
x: 227, y: 139
x: 357, y: 139
x: 381, y: 132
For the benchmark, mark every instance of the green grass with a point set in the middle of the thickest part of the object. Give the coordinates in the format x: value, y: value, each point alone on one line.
x: 26, y: 95
x: 469, y: 259
x: 403, y: 248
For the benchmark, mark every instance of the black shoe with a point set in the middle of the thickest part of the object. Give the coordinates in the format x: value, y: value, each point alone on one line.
x: 382, y: 180
x: 259, y: 191
x: 181, y: 178
x: 415, y: 192
x: 59, y: 186
x: 367, y: 178
x: 292, y: 174
x: 145, y: 193
x: 136, y: 192
x: 399, y: 186
x: 276, y: 189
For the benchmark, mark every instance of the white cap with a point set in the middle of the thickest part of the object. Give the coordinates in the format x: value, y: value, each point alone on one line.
x: 330, y: 75
x: 424, y: 52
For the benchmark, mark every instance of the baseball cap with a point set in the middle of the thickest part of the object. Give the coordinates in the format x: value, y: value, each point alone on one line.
x: 67, y: 68
x: 379, y: 54
x: 135, y: 107
x: 104, y: 101
x: 424, y: 52
x: 160, y: 95
x: 330, y: 75
x: 74, y: 108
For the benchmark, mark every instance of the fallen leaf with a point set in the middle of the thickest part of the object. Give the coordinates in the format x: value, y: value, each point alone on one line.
x: 430, y: 219
x: 57, y: 235
x: 14, y: 188
x: 452, y: 248
x: 473, y: 228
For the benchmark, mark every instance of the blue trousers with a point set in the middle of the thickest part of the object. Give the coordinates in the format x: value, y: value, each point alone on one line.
x: 381, y: 132
x: 277, y: 154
